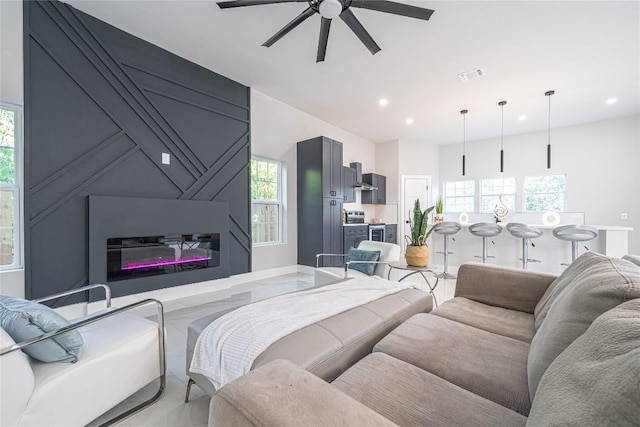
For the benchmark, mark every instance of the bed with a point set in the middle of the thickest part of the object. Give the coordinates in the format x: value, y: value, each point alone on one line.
x: 328, y: 343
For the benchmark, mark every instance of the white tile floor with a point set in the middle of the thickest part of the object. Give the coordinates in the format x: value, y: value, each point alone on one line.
x: 171, y: 410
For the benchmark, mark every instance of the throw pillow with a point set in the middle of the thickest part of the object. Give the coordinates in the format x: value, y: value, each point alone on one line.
x: 633, y: 258
x: 595, y: 380
x: 573, y: 272
x: 602, y: 284
x: 360, y: 255
x: 24, y: 320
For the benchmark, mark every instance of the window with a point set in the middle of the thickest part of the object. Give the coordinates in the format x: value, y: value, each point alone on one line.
x: 459, y: 196
x: 266, y: 201
x: 10, y: 145
x: 542, y: 193
x: 491, y: 189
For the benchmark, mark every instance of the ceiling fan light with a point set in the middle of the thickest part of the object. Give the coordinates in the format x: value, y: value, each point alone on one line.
x: 330, y: 8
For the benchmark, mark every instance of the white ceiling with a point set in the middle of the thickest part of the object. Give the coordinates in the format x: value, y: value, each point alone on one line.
x: 587, y: 51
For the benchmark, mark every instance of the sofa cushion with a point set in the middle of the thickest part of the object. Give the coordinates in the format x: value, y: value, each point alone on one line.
x: 410, y: 396
x: 596, y: 380
x: 487, y: 364
x: 601, y: 284
x: 329, y: 347
x: 361, y: 255
x: 281, y: 394
x: 501, y: 321
x: 25, y: 320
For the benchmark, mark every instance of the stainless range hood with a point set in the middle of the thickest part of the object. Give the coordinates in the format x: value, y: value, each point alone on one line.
x: 359, y: 184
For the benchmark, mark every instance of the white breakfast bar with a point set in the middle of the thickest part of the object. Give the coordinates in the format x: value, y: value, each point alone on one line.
x: 550, y: 251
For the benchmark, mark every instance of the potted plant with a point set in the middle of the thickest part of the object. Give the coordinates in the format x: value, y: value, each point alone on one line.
x: 417, y: 251
x: 439, y: 209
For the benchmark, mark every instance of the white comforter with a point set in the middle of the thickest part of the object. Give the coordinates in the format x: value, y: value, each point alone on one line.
x: 227, y: 348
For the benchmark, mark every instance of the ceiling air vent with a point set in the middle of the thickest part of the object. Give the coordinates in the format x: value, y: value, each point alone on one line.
x: 469, y: 75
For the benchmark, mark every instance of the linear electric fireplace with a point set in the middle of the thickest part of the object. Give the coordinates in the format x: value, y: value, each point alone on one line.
x: 132, y: 257
x: 138, y: 245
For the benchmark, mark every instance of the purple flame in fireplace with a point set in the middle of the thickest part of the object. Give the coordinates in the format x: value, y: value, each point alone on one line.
x: 168, y: 262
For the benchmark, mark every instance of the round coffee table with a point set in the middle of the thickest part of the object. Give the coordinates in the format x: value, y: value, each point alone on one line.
x: 402, y: 265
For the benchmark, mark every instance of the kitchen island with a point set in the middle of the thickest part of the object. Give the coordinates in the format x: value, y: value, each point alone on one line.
x: 552, y: 252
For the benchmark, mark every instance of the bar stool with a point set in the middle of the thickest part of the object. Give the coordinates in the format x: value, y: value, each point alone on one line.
x: 575, y: 233
x: 446, y: 228
x: 484, y: 230
x: 526, y: 233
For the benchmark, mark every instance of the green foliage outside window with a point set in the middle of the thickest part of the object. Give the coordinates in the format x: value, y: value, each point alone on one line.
x: 7, y: 138
x: 542, y: 193
x: 264, y: 180
x: 8, y: 190
x: 265, y: 201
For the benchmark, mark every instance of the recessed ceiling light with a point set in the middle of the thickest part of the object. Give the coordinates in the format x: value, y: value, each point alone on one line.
x: 383, y: 102
x: 522, y: 117
x: 611, y: 101
x: 409, y: 121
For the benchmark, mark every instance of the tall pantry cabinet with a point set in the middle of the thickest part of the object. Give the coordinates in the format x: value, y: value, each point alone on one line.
x: 320, y: 199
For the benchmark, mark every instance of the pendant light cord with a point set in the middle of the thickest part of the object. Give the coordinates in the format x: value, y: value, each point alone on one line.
x: 464, y: 141
x: 502, y: 104
x: 548, y: 94
x: 464, y: 132
x: 549, y: 123
x: 502, y: 128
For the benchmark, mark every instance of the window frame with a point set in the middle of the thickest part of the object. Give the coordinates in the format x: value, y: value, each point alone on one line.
x: 446, y: 197
x: 497, y: 195
x: 525, y: 193
x: 16, y: 187
x: 279, y: 203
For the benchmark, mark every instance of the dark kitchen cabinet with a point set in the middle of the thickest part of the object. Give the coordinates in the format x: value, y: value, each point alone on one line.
x: 320, y: 199
x: 349, y: 184
x: 375, y: 197
x: 390, y: 233
x: 353, y: 235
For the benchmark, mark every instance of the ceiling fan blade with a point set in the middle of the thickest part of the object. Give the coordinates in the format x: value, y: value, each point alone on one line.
x: 352, y: 22
x: 325, y: 25
x: 239, y: 3
x: 394, y: 8
x: 290, y: 26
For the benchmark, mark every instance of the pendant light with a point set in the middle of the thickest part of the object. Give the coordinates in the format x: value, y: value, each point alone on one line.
x: 464, y: 139
x: 502, y: 104
x: 548, y: 94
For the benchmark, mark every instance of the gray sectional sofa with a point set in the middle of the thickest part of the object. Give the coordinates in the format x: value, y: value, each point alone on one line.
x: 512, y: 348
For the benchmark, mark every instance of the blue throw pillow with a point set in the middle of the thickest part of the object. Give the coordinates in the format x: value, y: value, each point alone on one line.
x: 25, y: 320
x: 360, y: 255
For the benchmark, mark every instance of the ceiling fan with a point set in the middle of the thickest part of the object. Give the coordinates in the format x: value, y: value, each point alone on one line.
x: 330, y: 9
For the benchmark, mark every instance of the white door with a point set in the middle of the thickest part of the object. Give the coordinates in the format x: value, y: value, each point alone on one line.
x: 413, y: 187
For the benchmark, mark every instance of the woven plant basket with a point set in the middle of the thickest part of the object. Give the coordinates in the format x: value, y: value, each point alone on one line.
x: 417, y: 256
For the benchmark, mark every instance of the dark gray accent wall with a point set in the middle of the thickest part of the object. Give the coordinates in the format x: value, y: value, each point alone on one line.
x: 101, y: 106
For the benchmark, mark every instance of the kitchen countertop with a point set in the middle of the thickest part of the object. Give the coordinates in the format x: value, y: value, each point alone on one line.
x: 368, y: 223
x: 551, y: 227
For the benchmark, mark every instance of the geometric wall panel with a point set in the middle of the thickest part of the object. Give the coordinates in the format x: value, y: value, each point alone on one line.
x: 101, y: 106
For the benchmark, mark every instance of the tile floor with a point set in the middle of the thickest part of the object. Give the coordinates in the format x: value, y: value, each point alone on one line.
x: 171, y: 410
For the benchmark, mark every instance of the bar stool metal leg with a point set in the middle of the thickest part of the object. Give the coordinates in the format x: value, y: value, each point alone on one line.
x: 574, y: 250
x: 525, y: 254
x: 484, y: 250
x: 445, y: 273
